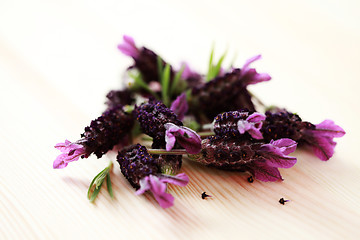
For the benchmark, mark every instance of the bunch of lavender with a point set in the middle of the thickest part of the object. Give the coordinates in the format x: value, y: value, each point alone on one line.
x: 151, y: 172
x: 244, y: 140
x: 237, y: 146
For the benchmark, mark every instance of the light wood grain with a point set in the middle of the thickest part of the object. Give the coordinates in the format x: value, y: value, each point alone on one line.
x: 55, y: 60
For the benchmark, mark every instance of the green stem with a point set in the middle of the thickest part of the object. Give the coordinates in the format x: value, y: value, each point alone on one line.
x: 171, y: 152
x: 206, y: 134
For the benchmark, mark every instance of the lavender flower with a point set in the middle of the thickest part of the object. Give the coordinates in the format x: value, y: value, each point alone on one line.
x: 236, y: 123
x: 180, y: 106
x: 162, y: 124
x: 260, y: 159
x: 152, y: 117
x: 227, y: 92
x: 128, y: 47
x: 186, y: 137
x: 146, y: 61
x: 284, y: 124
x: 144, y: 174
x: 101, y: 136
x: 69, y: 152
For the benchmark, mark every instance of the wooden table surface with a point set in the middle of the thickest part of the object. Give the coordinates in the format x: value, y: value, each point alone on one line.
x: 58, y: 60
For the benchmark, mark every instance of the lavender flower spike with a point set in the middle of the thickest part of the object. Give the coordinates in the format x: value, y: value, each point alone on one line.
x: 70, y: 152
x: 180, y: 106
x: 186, y: 137
x: 128, y: 47
x: 241, y: 154
x: 106, y: 131
x: 144, y: 173
x: 284, y: 124
x: 252, y: 125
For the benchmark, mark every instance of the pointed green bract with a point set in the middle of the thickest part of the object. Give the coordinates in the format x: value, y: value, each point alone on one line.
x: 165, y: 82
x: 214, y: 69
x: 97, y: 183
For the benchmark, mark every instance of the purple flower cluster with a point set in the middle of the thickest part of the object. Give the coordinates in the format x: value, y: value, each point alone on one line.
x: 152, y: 116
x: 227, y: 92
x: 143, y: 173
x: 242, y: 139
x: 284, y: 124
x: 260, y: 159
x: 237, y: 145
x: 102, y: 135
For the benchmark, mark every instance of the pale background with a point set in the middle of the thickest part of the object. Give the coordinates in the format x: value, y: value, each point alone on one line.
x: 58, y: 59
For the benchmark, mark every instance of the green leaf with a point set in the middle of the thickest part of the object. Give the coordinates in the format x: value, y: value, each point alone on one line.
x: 218, y: 65
x: 98, y: 181
x: 92, y: 183
x: 210, y: 63
x: 108, y: 184
x: 159, y: 66
x: 165, y: 82
x: 95, y: 193
x: 214, y: 69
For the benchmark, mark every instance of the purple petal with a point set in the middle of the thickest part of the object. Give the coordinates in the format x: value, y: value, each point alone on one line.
x: 255, y: 132
x: 285, y: 145
x: 128, y: 47
x: 253, y: 77
x: 243, y: 126
x: 63, y: 146
x: 187, y: 72
x: 245, y: 68
x: 276, y: 156
x: 262, y: 171
x: 321, y: 138
x: 250, y: 75
x: 256, y: 117
x: 158, y: 188
x: 181, y: 179
x: 180, y: 106
x: 324, y: 148
x: 186, y: 137
x: 170, y: 140
x: 330, y: 129
x: 59, y: 162
x: 252, y: 125
x: 69, y: 152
